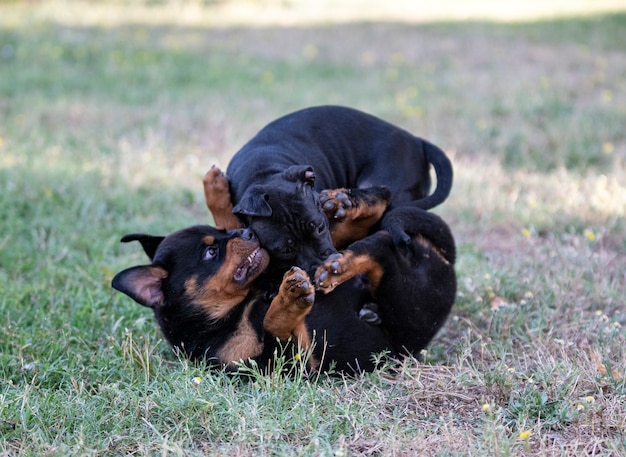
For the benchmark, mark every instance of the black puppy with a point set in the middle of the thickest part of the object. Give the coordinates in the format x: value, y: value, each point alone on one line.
x: 413, y: 282
x: 201, y: 287
x: 353, y: 212
x: 276, y: 177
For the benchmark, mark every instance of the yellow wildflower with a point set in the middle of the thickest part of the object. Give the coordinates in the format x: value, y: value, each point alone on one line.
x: 589, y: 235
x: 524, y: 435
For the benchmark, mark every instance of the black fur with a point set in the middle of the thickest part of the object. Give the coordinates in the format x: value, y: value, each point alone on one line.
x: 414, y: 295
x: 276, y: 177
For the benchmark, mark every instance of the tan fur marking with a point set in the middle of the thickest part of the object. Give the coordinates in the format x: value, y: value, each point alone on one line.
x: 217, y: 197
x: 285, y: 317
x: 350, y: 265
x: 347, y: 231
x: 216, y: 297
x: 208, y: 240
x: 244, y: 344
x: 358, y: 220
x: 220, y: 294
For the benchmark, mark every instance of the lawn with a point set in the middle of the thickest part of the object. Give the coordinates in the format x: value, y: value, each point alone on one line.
x: 109, y: 116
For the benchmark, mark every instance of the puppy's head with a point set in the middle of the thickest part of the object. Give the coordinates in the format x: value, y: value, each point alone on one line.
x: 197, y: 276
x: 286, y: 214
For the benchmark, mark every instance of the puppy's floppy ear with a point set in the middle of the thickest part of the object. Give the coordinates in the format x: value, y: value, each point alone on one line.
x: 302, y: 173
x: 254, y: 203
x: 149, y: 243
x: 143, y: 283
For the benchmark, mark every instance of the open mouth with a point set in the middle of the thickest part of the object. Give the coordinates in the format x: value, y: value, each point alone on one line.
x: 251, y: 266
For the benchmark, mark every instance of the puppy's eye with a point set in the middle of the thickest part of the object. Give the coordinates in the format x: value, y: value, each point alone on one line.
x: 209, y: 253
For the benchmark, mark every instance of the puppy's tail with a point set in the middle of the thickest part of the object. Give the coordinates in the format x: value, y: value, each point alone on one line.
x: 443, y: 169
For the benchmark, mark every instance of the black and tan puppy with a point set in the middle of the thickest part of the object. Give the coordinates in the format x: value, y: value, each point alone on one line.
x: 200, y: 287
x: 202, y: 284
x: 275, y: 178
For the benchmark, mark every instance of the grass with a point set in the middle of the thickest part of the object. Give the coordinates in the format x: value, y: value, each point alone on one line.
x: 111, y: 114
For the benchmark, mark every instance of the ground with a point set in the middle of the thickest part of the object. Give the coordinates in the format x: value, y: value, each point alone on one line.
x: 111, y: 114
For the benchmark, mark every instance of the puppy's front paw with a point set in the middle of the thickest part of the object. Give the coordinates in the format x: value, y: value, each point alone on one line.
x: 298, y: 288
x: 335, y: 203
x: 285, y: 317
x: 329, y: 274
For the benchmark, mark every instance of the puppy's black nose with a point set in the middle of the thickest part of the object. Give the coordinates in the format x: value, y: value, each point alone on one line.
x: 248, y: 235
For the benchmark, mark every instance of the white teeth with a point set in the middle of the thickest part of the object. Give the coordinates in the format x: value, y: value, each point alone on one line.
x: 246, y: 266
x: 252, y: 255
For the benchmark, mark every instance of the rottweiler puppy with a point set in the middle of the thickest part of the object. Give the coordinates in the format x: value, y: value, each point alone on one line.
x: 275, y: 178
x: 206, y: 289
x: 200, y: 288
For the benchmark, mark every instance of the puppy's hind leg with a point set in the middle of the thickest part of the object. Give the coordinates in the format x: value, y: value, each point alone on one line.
x: 217, y: 196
